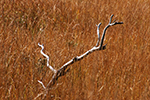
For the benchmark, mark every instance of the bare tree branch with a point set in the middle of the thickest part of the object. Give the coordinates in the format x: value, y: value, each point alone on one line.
x: 104, y: 32
x: 62, y: 70
x: 47, y: 57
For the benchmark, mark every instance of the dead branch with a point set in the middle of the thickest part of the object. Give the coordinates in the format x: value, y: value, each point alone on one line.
x: 62, y: 70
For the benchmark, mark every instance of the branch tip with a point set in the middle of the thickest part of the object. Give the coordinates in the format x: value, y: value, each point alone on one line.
x: 42, y: 84
x: 111, y: 18
x: 98, y: 34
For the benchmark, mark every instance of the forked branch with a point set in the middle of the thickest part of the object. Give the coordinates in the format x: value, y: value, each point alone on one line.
x: 62, y: 70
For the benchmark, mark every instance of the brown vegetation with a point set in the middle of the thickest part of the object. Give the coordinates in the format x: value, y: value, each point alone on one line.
x: 67, y: 28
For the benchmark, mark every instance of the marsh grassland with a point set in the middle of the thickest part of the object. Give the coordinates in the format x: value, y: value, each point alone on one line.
x: 67, y: 28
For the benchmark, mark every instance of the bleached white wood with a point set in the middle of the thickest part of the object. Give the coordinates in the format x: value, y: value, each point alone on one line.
x: 62, y: 70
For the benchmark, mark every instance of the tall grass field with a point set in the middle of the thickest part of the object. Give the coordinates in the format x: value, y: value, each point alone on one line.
x: 67, y: 28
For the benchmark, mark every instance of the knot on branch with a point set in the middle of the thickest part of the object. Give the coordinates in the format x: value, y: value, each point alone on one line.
x: 103, y: 47
x: 75, y: 59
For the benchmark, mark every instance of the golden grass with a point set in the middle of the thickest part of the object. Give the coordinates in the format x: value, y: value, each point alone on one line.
x: 67, y: 28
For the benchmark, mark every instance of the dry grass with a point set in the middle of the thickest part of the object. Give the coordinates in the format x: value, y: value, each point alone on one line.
x: 67, y: 28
